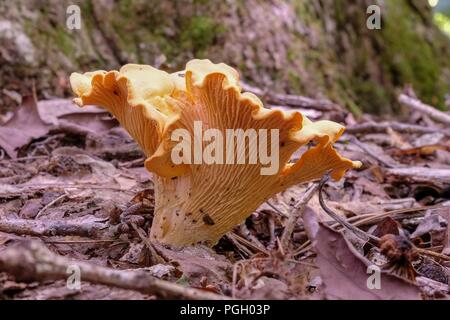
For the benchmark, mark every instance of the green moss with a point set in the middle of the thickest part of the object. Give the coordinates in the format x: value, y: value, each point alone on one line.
x: 371, y: 95
x: 353, y: 108
x: 200, y: 33
x: 295, y: 83
x: 410, y: 58
x: 88, y: 23
x: 124, y: 8
x: 64, y: 42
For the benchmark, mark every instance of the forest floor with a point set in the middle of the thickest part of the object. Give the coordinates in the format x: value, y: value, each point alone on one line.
x: 73, y: 185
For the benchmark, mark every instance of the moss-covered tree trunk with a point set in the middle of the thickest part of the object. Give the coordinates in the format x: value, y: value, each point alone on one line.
x: 316, y: 48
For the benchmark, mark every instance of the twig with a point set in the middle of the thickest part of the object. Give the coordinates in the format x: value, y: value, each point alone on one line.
x: 24, y: 158
x: 32, y: 261
x: 296, y: 214
x: 249, y: 243
x: 50, y: 228
x: 418, y: 105
x: 364, y: 235
x: 303, y: 248
x: 370, y: 218
x: 243, y: 249
x: 137, y: 162
x: 421, y: 174
x: 20, y: 189
x: 245, y: 233
x: 292, y: 100
x: 376, y: 217
x: 369, y: 152
x: 117, y: 241
x: 383, y: 127
x: 156, y: 258
x: 426, y: 282
x: 360, y: 233
x: 273, y: 238
x: 50, y: 204
x: 433, y: 254
x: 270, y: 204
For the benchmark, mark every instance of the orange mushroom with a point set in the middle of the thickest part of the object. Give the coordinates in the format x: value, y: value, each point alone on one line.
x: 205, y: 185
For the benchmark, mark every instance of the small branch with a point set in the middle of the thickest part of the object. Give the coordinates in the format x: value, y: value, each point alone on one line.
x: 133, y: 163
x: 32, y: 261
x: 360, y: 233
x: 270, y: 204
x: 374, y: 218
x: 296, y: 213
x: 49, y: 205
x: 273, y: 238
x: 383, y: 127
x: 292, y: 100
x: 50, y: 228
x: 28, y: 158
x: 155, y: 257
x: 18, y: 189
x: 243, y: 250
x: 248, y: 243
x: 418, y: 105
x: 422, y: 174
x: 426, y: 282
x: 433, y: 254
x: 369, y: 152
x: 245, y: 233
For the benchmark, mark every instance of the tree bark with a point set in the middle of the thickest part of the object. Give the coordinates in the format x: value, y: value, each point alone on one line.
x: 322, y: 49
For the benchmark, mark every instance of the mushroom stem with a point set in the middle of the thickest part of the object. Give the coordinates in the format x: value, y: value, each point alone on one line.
x: 187, y: 213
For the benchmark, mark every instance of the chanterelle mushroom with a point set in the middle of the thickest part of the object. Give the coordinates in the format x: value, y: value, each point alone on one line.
x: 206, y: 195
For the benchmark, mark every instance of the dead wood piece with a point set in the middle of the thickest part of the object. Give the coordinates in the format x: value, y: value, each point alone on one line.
x: 32, y: 261
x: 421, y: 174
x: 383, y: 127
x: 248, y: 243
x: 50, y: 228
x: 369, y: 152
x: 418, y: 105
x: 296, y: 214
x: 246, y: 233
x: 155, y: 257
x: 432, y: 284
x: 293, y: 100
x: 123, y: 152
x: 342, y: 221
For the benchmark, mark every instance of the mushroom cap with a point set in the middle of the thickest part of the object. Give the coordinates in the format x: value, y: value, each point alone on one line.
x: 199, y: 201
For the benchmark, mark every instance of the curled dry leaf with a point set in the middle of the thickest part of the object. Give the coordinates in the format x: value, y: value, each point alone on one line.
x: 51, y: 110
x: 345, y: 271
x: 24, y: 125
x: 431, y: 223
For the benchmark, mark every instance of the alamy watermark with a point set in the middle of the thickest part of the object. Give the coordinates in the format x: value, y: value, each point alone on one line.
x: 74, y: 279
x: 373, y: 21
x: 374, y: 280
x: 73, y: 17
x: 238, y: 146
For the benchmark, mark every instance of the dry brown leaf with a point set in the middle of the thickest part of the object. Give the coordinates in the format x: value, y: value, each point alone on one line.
x: 25, y: 125
x: 51, y: 110
x: 421, y: 151
x: 266, y: 288
x: 344, y: 270
x: 197, y: 262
